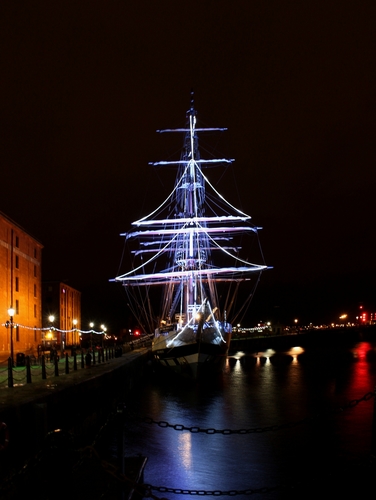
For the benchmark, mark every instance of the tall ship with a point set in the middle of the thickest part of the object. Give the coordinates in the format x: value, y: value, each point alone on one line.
x: 187, y: 263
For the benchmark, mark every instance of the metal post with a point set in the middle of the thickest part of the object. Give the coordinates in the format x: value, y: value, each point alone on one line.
x: 11, y: 340
x: 10, y: 373
x: 56, y: 360
x: 66, y: 363
x: 99, y: 355
x: 28, y: 370
x: 82, y: 359
x: 11, y: 311
x: 74, y: 361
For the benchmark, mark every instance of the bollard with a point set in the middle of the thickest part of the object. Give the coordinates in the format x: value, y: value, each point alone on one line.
x: 93, y: 357
x: 82, y: 359
x: 44, y: 374
x: 10, y: 372
x: 66, y: 363
x: 74, y: 361
x: 106, y: 354
x: 56, y: 361
x: 102, y: 354
x: 99, y: 355
x: 28, y: 370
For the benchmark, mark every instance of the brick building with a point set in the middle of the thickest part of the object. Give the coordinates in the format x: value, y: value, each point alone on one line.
x: 20, y: 278
x: 62, y: 303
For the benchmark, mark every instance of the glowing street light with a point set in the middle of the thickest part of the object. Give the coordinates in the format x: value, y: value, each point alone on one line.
x: 104, y: 331
x: 91, y: 324
x: 74, y: 340
x: 343, y: 318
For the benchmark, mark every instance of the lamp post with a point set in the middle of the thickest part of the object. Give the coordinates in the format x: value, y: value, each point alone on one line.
x: 74, y: 335
x: 343, y: 317
x: 91, y: 335
x: 296, y: 325
x: 11, y: 312
x: 51, y: 319
x: 104, y: 330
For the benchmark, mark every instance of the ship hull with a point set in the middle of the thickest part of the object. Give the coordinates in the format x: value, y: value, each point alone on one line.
x: 194, y: 359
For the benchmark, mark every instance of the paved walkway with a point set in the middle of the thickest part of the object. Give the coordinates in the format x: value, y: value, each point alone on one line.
x: 23, y: 392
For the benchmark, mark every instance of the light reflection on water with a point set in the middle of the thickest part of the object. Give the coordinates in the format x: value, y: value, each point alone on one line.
x: 274, y: 389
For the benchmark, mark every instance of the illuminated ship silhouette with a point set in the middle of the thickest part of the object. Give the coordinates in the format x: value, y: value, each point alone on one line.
x: 190, y: 248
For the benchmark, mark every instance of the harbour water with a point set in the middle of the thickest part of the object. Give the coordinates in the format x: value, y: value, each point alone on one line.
x: 273, y: 423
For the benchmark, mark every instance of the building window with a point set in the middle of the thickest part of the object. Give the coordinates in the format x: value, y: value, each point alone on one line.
x: 35, y: 253
x: 35, y: 290
x: 35, y: 271
x: 17, y: 262
x: 17, y: 333
x: 17, y: 284
x: 17, y: 242
x: 35, y: 333
x: 17, y: 306
x: 35, y: 310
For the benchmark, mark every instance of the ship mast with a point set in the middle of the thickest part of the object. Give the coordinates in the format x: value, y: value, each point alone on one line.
x: 189, y: 231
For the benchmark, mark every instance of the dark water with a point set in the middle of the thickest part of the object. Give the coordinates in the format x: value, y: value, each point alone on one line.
x: 273, y: 390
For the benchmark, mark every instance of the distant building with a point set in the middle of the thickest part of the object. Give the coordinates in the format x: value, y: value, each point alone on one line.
x: 20, y: 278
x: 62, y: 314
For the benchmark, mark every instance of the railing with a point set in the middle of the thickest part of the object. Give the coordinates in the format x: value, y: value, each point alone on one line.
x: 48, y: 366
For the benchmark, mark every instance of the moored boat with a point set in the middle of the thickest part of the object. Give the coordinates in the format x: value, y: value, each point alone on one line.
x: 190, y: 247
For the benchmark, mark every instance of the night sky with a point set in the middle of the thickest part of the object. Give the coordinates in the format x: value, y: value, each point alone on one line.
x: 85, y: 84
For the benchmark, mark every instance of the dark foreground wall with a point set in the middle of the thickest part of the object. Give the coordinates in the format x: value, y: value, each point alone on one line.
x: 75, y: 403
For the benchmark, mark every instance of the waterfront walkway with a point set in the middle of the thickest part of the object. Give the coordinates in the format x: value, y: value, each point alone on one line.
x: 23, y: 392
x: 54, y: 424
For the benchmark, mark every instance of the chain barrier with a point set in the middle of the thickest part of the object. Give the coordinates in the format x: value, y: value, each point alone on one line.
x: 21, y: 379
x: 334, y: 475
x: 62, y: 442
x: 255, y: 430
x: 37, y: 370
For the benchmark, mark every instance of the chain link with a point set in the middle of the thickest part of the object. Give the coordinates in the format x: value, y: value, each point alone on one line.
x: 59, y: 438
x: 217, y: 493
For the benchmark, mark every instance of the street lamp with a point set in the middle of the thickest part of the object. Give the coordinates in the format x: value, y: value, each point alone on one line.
x: 91, y: 334
x: 51, y: 319
x: 74, y: 335
x: 343, y: 317
x: 11, y: 312
x: 104, y: 330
